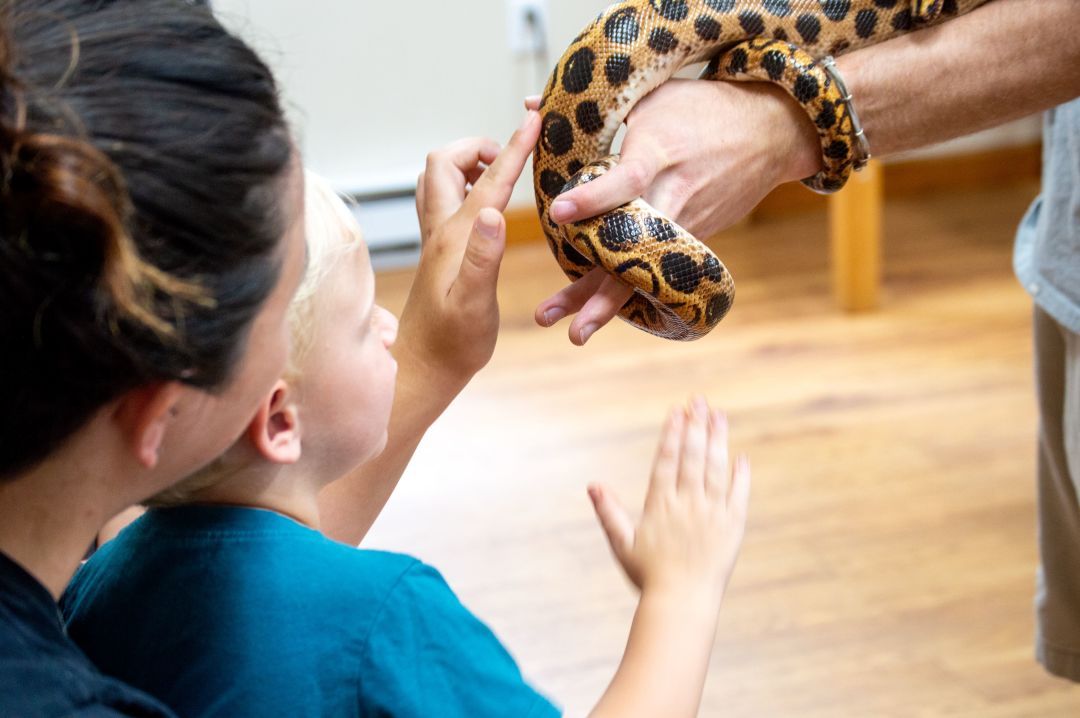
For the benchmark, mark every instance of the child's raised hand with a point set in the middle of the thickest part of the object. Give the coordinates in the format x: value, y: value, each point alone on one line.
x: 688, y: 537
x: 451, y: 320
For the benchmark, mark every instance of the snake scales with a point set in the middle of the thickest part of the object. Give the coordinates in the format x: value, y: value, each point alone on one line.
x: 681, y: 289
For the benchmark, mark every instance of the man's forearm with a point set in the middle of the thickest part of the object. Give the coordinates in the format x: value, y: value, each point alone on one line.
x: 1004, y: 60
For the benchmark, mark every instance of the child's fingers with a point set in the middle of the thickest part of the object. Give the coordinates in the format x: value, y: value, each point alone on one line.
x: 739, y: 494
x: 479, y: 273
x: 716, y: 466
x: 473, y: 175
x: 695, y: 446
x: 420, y: 206
x: 666, y: 466
x: 616, y: 522
x: 532, y: 102
x: 445, y: 176
x: 493, y: 189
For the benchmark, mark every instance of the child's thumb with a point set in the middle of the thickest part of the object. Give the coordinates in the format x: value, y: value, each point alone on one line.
x: 617, y: 525
x: 479, y: 272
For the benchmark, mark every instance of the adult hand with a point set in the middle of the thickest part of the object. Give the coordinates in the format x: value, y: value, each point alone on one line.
x: 704, y: 153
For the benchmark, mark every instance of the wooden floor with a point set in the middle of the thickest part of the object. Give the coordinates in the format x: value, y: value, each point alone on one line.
x: 888, y: 567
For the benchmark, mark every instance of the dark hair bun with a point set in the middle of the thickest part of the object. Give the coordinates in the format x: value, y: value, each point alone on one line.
x: 143, y: 162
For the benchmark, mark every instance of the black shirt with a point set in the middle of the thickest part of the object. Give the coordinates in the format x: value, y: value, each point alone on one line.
x: 42, y: 673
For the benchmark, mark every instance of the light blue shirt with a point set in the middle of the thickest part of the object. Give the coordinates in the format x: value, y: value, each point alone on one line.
x: 226, y: 611
x: 1047, y: 253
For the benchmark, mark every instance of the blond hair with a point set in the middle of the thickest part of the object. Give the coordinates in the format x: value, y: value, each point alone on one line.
x: 331, y: 232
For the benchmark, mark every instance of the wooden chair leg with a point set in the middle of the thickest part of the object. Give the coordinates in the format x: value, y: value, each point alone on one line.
x: 855, y: 236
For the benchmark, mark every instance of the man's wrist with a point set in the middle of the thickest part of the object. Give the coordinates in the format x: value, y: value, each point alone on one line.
x: 794, y: 146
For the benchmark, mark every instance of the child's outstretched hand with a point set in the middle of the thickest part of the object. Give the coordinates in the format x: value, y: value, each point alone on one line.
x: 688, y: 537
x: 451, y: 320
x: 448, y: 327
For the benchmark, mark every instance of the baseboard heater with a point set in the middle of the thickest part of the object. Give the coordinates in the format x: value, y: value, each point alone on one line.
x: 387, y: 215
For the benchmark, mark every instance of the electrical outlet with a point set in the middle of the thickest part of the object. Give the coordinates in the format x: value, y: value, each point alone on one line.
x: 526, y: 26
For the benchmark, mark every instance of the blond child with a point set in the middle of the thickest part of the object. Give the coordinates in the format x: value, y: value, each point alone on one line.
x: 225, y: 599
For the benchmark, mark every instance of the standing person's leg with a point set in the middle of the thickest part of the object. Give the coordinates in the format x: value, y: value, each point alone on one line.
x: 1057, y: 602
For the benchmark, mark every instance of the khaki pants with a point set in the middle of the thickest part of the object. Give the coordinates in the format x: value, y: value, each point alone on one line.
x: 1057, y: 600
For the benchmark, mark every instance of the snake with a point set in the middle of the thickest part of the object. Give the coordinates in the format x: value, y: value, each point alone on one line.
x: 681, y: 289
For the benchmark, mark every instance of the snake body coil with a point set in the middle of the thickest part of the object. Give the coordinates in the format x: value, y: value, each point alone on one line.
x: 681, y: 289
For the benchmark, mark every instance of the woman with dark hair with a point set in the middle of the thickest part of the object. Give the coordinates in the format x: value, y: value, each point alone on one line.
x: 151, y: 236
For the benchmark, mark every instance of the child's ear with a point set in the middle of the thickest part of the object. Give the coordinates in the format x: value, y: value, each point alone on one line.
x: 145, y: 413
x: 275, y: 430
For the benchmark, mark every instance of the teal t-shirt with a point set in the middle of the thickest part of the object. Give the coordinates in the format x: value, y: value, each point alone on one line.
x: 226, y: 611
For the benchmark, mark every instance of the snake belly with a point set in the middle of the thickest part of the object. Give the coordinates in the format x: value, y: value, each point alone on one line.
x: 681, y: 289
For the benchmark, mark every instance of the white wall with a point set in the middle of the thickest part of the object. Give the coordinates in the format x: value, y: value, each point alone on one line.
x: 374, y: 86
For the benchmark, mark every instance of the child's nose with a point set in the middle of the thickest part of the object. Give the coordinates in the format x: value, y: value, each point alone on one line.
x: 388, y: 326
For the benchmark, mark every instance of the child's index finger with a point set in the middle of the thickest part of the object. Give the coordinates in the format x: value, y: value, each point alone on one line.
x: 666, y: 466
x: 716, y: 471
x: 695, y: 447
x: 494, y: 187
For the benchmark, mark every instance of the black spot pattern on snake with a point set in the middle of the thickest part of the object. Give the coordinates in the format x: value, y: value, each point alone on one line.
x: 718, y: 306
x: 721, y: 5
x: 618, y: 230
x: 780, y: 34
x: 839, y: 46
x: 578, y: 71
x: 806, y: 88
x: 681, y: 272
x: 774, y: 63
x: 809, y: 28
x: 752, y: 23
x: 588, y: 117
x: 838, y: 150
x: 575, y: 256
x: 574, y: 167
x: 697, y: 314
x: 638, y: 263
x: 902, y: 20
x: 737, y: 61
x: 779, y: 8
x: 662, y: 40
x: 618, y: 69
x: 622, y: 27
x: 707, y: 28
x: 865, y: 23
x: 713, y: 269
x: 885, y: 4
x: 551, y: 182
x: 832, y: 184
x: 660, y: 229
x: 674, y: 10
x: 557, y: 135
x: 826, y: 118
x: 835, y: 10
